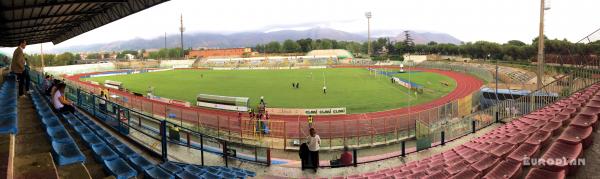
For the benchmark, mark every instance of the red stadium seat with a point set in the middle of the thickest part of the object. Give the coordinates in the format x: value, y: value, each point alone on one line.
x: 402, y: 174
x: 475, y: 156
x: 457, y: 167
x: 519, y: 138
x: 434, y: 168
x: 524, y: 151
x: 416, y: 175
x: 536, y: 173
x: 590, y: 110
x: 505, y: 169
x: 560, y: 151
x: 552, y: 127
x: 467, y: 174
x: 502, y: 150
x: 437, y: 175
x: 593, y: 103
x: 484, y: 165
x: 575, y: 135
x: 539, y: 138
x: 568, y: 111
x: 562, y: 118
x: 583, y: 120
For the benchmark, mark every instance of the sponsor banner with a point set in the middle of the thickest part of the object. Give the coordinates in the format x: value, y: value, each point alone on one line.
x: 161, y: 99
x: 316, y: 111
x: 180, y: 103
x: 157, y: 70
x: 108, y: 74
x: 222, y: 106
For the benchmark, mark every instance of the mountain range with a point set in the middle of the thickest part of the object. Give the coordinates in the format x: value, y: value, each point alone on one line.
x: 250, y: 39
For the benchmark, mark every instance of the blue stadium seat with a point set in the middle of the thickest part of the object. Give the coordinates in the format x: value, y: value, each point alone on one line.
x: 66, y: 153
x: 228, y: 175
x: 188, y: 175
x: 171, y: 167
x: 75, y: 122
x: 92, y: 140
x: 8, y: 107
x: 103, y: 152
x: 113, y: 142
x: 102, y: 133
x: 210, y: 175
x: 140, y: 163
x: 82, y: 130
x: 94, y: 126
x: 124, y: 151
x: 156, y: 172
x: 195, y: 170
x: 119, y: 168
x: 59, y: 134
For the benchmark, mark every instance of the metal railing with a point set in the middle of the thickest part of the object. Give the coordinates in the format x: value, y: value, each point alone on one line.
x: 149, y: 132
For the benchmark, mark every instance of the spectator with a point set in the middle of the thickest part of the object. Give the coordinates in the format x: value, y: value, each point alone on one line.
x: 60, y: 102
x: 27, y: 77
x: 344, y: 160
x: 18, y: 65
x: 102, y: 101
x: 314, y: 142
x: 46, y: 84
x: 52, y: 87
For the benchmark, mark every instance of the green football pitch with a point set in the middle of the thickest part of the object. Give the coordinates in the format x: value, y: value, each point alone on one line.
x: 356, y: 89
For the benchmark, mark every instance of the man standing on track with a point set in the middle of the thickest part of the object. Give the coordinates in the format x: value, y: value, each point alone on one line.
x: 324, y: 89
x: 314, y: 142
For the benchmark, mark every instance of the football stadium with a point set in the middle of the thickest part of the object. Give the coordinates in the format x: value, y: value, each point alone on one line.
x: 328, y: 107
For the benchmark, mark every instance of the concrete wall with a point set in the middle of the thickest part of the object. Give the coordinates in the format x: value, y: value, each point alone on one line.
x: 176, y: 63
x: 76, y: 69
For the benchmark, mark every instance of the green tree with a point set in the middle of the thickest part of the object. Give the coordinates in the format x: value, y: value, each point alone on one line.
x: 273, y: 47
x: 305, y: 44
x: 290, y: 46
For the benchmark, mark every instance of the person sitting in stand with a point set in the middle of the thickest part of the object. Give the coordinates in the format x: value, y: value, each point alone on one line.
x: 344, y: 160
x: 52, y: 88
x: 46, y: 83
x: 60, y: 102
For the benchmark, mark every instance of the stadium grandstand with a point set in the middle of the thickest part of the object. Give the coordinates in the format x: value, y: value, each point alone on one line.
x: 549, y: 132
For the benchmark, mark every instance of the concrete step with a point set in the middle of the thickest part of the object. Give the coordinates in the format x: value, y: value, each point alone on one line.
x: 39, y: 165
x: 77, y: 170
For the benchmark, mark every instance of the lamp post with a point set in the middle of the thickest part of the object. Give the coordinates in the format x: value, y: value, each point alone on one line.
x: 181, y: 29
x: 540, y: 59
x: 368, y: 15
x: 540, y: 55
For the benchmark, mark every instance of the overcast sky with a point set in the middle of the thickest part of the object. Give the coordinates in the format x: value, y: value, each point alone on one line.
x: 468, y: 20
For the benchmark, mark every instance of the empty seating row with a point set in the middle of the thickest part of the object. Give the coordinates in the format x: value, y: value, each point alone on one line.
x: 114, y: 155
x: 95, y: 137
x: 64, y: 149
x: 562, y: 130
x: 182, y: 170
x: 8, y: 106
x: 106, y: 147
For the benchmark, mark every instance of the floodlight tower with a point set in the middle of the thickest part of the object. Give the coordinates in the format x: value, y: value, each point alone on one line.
x: 181, y: 29
x: 368, y: 15
x: 540, y: 58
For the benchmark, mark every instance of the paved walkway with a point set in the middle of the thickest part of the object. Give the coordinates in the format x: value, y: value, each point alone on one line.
x: 292, y: 167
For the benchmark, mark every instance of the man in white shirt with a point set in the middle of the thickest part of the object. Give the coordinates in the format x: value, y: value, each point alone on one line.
x: 314, y: 142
